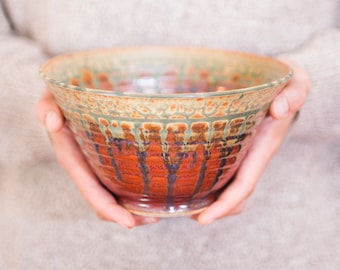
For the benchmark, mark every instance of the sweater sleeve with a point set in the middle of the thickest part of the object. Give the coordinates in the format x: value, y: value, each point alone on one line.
x: 319, y: 119
x: 22, y: 140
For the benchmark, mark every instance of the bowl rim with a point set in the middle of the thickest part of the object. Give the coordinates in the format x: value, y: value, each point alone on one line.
x: 273, y: 83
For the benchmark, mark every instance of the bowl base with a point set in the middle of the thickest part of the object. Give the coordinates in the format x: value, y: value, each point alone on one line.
x: 166, y: 210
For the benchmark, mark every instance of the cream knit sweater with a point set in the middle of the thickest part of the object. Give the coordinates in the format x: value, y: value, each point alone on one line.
x: 292, y: 220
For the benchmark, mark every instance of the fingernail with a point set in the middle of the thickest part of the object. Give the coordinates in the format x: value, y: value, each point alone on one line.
x: 150, y: 220
x: 281, y: 107
x: 126, y: 224
x: 52, y: 121
x: 205, y: 220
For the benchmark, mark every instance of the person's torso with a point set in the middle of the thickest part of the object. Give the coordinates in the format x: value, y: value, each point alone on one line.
x: 267, y: 26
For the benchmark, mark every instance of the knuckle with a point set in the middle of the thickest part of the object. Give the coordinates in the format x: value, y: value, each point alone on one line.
x: 297, y: 101
x: 100, y: 215
x: 239, y: 209
x: 237, y: 212
x: 249, y: 191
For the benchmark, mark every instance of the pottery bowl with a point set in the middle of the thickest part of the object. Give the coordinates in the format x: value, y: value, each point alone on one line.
x: 164, y: 129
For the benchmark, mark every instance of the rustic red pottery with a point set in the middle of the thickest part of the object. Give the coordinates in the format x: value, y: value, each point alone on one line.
x: 164, y: 129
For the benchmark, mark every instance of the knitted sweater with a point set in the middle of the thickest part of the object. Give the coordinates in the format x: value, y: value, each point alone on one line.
x: 292, y: 219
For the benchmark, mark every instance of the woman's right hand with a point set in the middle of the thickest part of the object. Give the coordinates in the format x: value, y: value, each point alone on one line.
x: 73, y: 161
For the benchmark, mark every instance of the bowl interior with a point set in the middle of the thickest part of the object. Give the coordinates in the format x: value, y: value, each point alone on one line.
x: 163, y: 70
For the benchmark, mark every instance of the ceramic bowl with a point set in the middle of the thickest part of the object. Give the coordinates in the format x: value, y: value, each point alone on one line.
x: 164, y: 129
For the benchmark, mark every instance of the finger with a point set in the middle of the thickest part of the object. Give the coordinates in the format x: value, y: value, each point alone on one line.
x: 72, y: 160
x: 230, y: 201
x: 48, y: 112
x: 141, y: 220
x: 251, y: 169
x: 238, y: 209
x: 293, y: 96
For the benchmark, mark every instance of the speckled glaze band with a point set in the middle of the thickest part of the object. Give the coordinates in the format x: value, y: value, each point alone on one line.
x: 164, y: 129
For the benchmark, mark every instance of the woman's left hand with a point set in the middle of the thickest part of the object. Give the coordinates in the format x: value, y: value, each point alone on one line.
x: 267, y: 142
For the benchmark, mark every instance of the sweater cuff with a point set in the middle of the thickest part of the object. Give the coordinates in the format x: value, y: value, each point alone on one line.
x: 320, y: 59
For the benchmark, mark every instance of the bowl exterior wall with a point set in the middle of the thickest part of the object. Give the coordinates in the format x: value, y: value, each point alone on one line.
x: 164, y: 156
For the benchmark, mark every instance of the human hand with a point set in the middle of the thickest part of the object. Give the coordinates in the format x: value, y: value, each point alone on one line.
x: 267, y: 142
x: 72, y: 160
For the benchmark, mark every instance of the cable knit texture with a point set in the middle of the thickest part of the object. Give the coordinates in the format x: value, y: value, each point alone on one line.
x: 291, y: 221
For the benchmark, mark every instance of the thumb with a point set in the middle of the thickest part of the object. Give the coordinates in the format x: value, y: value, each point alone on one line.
x: 48, y: 112
x: 293, y: 96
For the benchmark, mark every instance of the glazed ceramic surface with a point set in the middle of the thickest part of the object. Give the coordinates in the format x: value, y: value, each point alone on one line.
x: 164, y: 129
